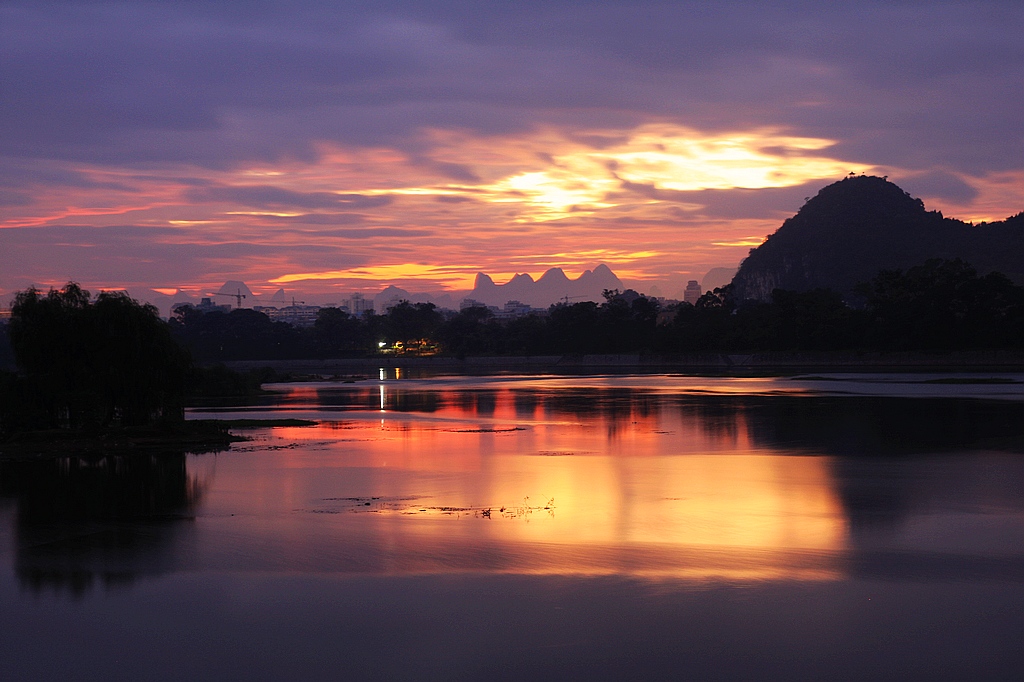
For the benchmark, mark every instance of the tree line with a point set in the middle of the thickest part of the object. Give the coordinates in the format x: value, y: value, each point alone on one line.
x: 941, y: 305
x: 85, y: 363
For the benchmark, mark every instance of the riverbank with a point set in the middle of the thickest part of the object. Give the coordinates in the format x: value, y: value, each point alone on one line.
x: 192, y: 436
x: 697, y: 363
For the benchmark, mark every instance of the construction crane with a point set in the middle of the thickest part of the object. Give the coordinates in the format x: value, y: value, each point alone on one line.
x: 565, y: 299
x: 238, y: 296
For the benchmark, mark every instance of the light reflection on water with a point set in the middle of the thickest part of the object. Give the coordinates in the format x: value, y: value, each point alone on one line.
x: 669, y: 477
x: 605, y: 475
x: 567, y: 492
x: 540, y: 528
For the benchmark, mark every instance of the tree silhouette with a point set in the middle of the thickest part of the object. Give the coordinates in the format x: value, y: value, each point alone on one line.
x: 93, y: 365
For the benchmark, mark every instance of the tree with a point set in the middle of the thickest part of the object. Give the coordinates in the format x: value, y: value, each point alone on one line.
x: 407, y: 321
x: 944, y: 304
x: 336, y: 332
x: 241, y: 334
x: 96, y: 364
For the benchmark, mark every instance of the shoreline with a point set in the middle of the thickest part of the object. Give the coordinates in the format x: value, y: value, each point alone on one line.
x: 773, y: 362
x: 192, y: 436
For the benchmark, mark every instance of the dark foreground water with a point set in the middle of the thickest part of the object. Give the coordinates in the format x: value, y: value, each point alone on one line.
x: 839, y: 527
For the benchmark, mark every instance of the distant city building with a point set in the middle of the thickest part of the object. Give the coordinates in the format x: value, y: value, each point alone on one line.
x: 471, y: 303
x: 206, y: 305
x: 513, y: 309
x: 358, y: 304
x: 295, y: 315
x: 692, y: 293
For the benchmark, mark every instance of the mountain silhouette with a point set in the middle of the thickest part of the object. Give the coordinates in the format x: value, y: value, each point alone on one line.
x: 234, y: 287
x: 862, y: 224
x: 552, y: 287
x: 392, y: 294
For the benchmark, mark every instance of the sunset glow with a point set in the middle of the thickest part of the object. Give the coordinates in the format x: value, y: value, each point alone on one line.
x: 450, y: 275
x: 453, y: 159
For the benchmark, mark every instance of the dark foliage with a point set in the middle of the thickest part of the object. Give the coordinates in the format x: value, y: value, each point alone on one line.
x: 856, y: 227
x: 217, y: 381
x: 941, y: 305
x: 336, y: 333
x: 241, y: 334
x: 944, y: 305
x: 408, y: 321
x: 6, y: 351
x: 91, y: 365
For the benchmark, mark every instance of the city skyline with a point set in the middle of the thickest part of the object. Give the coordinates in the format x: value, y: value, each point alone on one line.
x: 328, y: 148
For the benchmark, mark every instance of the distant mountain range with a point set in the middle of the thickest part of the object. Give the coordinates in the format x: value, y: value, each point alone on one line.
x: 855, y: 227
x: 553, y: 286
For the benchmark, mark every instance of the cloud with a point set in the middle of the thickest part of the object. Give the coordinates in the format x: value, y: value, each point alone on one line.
x: 14, y: 198
x: 268, y: 196
x: 279, y: 137
x: 148, y: 81
x: 940, y: 184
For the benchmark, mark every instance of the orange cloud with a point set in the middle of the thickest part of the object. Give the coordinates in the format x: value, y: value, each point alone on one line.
x: 634, y: 198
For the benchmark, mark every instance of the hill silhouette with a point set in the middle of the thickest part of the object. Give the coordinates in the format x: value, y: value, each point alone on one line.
x: 860, y: 225
x: 550, y: 288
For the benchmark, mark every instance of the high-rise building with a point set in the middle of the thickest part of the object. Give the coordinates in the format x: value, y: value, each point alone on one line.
x: 358, y: 304
x: 692, y: 293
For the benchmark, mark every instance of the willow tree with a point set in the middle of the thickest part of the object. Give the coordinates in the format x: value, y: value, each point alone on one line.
x: 95, y: 364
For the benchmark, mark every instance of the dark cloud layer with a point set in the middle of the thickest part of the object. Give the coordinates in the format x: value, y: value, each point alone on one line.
x: 910, y: 84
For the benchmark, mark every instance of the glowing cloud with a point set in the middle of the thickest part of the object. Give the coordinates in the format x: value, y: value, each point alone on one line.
x: 582, y: 258
x: 580, y: 180
x: 461, y: 276
x: 747, y: 241
x: 684, y: 160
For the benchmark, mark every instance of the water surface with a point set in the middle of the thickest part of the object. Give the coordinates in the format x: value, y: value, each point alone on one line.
x: 846, y: 526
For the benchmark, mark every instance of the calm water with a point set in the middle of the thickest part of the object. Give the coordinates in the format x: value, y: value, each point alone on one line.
x: 829, y: 527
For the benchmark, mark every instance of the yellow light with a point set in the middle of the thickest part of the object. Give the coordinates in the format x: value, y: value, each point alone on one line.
x: 665, y: 157
x: 746, y: 241
x: 462, y: 275
x: 269, y: 214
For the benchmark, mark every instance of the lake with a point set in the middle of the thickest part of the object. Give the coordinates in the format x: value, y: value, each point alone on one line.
x: 839, y: 526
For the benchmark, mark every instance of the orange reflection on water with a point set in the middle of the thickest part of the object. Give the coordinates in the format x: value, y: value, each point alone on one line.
x: 592, y: 482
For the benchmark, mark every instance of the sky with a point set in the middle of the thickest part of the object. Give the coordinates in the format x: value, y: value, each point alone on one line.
x: 330, y: 146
